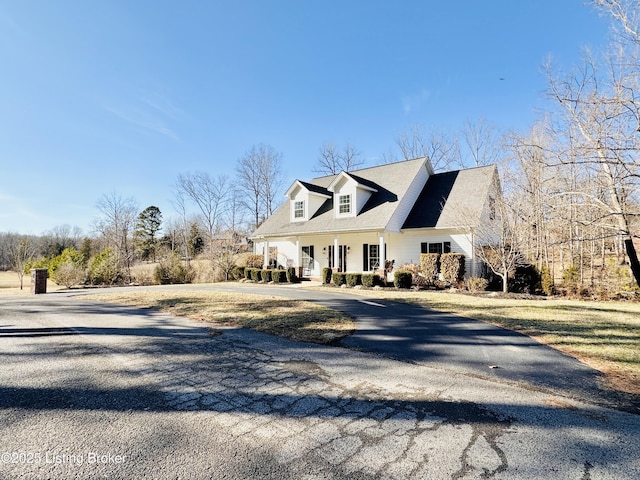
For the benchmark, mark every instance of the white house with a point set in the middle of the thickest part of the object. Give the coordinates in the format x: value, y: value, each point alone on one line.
x: 355, y: 221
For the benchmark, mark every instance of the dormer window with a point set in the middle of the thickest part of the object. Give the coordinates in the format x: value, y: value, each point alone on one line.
x: 298, y: 209
x: 344, y: 202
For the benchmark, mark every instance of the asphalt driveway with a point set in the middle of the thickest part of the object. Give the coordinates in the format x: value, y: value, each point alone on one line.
x: 418, y: 335
x: 89, y: 390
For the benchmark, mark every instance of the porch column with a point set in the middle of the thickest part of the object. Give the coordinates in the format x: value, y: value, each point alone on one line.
x: 383, y: 257
x: 266, y: 253
x: 298, y: 259
x: 336, y: 255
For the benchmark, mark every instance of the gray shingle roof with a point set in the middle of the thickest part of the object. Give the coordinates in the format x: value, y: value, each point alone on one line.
x: 450, y: 197
x: 392, y: 181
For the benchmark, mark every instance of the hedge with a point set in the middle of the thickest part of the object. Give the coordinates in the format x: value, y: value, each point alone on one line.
x: 265, y: 275
x: 452, y: 267
x: 430, y: 266
x: 326, y: 275
x: 278, y: 276
x: 370, y: 280
x: 402, y: 279
x: 354, y: 279
x: 339, y: 278
x: 291, y: 275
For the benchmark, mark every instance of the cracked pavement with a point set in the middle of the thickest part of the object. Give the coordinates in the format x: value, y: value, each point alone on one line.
x: 174, y: 398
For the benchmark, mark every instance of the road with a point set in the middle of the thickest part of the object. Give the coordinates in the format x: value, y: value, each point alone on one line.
x: 99, y: 391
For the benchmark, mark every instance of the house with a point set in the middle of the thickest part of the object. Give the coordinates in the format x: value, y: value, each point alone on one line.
x: 356, y: 221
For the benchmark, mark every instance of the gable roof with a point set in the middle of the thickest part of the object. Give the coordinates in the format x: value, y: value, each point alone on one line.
x: 448, y: 196
x: 436, y: 202
x: 311, y: 188
x: 392, y: 182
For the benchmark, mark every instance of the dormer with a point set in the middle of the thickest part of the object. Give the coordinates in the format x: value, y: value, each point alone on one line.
x: 350, y: 194
x: 304, y: 200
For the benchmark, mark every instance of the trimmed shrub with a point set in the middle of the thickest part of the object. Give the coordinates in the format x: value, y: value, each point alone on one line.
x: 570, y: 278
x: 238, y: 273
x: 255, y: 274
x: 339, y: 278
x: 402, y: 279
x: 370, y: 280
x: 265, y: 275
x: 452, y: 267
x: 477, y: 284
x: 326, y: 275
x: 430, y: 267
x: 279, y: 276
x: 254, y: 261
x: 291, y: 275
x: 354, y: 279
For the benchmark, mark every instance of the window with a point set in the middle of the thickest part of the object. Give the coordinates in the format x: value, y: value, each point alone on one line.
x: 344, y: 202
x: 437, y: 247
x: 298, y: 209
x: 370, y: 257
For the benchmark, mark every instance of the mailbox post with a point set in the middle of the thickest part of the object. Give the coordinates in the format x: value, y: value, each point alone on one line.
x: 39, y: 280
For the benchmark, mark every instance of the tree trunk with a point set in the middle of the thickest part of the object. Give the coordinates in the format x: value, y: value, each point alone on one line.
x: 633, y: 259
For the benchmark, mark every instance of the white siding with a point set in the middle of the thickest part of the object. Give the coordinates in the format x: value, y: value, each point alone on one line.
x: 408, y: 201
x: 405, y: 247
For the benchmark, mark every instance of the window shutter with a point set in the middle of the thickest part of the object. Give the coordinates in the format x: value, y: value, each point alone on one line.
x: 311, y: 257
x: 365, y: 257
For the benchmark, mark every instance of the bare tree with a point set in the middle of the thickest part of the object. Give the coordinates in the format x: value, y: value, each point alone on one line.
x: 258, y: 174
x: 482, y: 142
x: 209, y: 194
x: 333, y: 160
x: 20, y: 250
x: 601, y: 116
x: 442, y: 150
x: 116, y: 225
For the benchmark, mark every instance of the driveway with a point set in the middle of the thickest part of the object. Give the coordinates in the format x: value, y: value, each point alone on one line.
x: 90, y: 390
x: 415, y: 334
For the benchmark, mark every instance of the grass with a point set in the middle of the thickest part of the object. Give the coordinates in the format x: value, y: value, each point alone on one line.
x: 10, y: 284
x: 604, y: 335
x: 293, y: 319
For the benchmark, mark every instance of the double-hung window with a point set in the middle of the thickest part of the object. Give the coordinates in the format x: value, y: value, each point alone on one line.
x: 298, y: 209
x: 435, y: 247
x: 344, y: 204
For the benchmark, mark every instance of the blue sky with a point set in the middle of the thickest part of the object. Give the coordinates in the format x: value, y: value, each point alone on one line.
x: 123, y: 96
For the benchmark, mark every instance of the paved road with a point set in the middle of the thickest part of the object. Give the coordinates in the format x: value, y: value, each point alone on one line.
x: 418, y: 335
x: 97, y: 391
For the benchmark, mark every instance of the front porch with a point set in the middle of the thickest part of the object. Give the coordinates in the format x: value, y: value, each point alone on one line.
x: 349, y: 253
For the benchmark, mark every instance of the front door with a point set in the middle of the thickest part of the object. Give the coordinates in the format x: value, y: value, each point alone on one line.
x: 342, y: 258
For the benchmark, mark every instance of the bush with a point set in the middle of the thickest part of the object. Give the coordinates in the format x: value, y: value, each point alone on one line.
x: 430, y: 267
x: 370, y: 280
x: 254, y: 261
x: 354, y: 279
x: 265, y: 275
x: 238, y: 273
x: 104, y: 268
x: 67, y: 268
x: 546, y: 281
x: 326, y: 275
x: 570, y: 278
x: 279, y: 276
x: 255, y: 274
x: 477, y: 284
x: 291, y: 275
x: 525, y: 279
x: 402, y: 279
x: 452, y: 267
x: 171, y: 270
x: 339, y: 279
